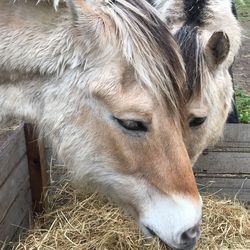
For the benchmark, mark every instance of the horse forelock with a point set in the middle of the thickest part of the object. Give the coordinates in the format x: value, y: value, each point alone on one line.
x: 191, y: 47
x: 196, y: 11
x: 149, y: 47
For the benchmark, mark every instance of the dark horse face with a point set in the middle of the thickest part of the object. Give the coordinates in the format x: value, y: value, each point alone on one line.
x: 209, y: 37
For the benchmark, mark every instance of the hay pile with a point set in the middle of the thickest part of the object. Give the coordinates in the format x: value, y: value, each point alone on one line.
x: 86, y: 222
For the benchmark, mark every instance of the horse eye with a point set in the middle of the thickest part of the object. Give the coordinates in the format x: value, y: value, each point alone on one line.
x: 131, y: 125
x: 197, y: 121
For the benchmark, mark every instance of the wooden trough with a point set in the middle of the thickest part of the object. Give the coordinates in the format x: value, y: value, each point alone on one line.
x: 225, y: 168
x: 21, y: 181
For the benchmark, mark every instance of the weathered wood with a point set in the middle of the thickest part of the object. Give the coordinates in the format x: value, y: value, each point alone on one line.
x: 15, y: 196
x: 24, y: 226
x: 231, y: 146
x: 4, y: 136
x: 18, y: 179
x: 11, y: 152
x: 225, y: 168
x: 220, y: 181
x: 237, y: 133
x: 37, y: 168
x: 230, y: 156
x: 15, y: 214
x: 224, y: 163
x: 231, y: 186
x: 44, y: 167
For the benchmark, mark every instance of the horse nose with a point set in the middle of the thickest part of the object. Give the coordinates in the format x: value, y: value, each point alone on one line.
x: 189, y: 238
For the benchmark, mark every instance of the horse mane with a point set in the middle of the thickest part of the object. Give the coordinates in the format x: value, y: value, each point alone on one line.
x: 145, y: 43
x: 190, y: 44
x: 150, y: 48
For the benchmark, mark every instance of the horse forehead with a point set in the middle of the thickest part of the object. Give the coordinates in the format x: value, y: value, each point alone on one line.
x: 137, y: 94
x: 124, y: 96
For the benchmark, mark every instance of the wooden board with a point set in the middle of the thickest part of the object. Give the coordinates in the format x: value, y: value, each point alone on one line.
x: 224, y: 162
x: 16, y: 214
x: 15, y: 195
x: 11, y: 152
x: 11, y: 187
x: 230, y: 186
x: 225, y: 168
x: 24, y: 225
x: 37, y: 168
x: 237, y: 133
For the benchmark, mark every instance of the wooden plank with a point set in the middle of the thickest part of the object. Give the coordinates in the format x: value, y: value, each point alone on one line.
x: 219, y: 181
x: 16, y: 214
x: 11, y: 187
x: 11, y: 152
x: 237, y: 132
x: 225, y: 168
x: 230, y: 156
x: 24, y: 226
x: 231, y: 147
x: 224, y: 163
x: 236, y: 136
x: 37, y: 168
x: 4, y: 136
x: 233, y: 186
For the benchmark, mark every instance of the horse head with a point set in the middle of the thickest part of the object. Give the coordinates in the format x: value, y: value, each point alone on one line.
x: 209, y: 37
x: 112, y: 104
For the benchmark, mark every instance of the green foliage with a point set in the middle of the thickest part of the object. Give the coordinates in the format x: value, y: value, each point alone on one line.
x: 243, y: 105
x: 243, y: 8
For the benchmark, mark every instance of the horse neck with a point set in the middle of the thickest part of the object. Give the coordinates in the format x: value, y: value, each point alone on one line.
x: 39, y: 41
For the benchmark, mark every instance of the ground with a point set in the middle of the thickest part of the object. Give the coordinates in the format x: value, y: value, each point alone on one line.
x: 242, y: 64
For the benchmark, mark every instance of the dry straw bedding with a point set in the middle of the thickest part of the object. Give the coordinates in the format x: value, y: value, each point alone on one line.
x: 88, y: 222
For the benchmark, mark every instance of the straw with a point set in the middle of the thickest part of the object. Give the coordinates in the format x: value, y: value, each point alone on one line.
x: 89, y: 222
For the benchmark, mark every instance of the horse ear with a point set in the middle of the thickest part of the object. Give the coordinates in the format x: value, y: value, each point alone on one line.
x: 91, y: 23
x: 217, y: 49
x: 83, y: 10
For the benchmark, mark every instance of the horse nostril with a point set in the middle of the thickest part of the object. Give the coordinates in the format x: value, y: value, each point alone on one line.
x: 190, y: 236
x: 151, y: 231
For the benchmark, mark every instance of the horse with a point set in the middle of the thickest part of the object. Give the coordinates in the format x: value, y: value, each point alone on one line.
x: 104, y: 81
x: 209, y: 36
